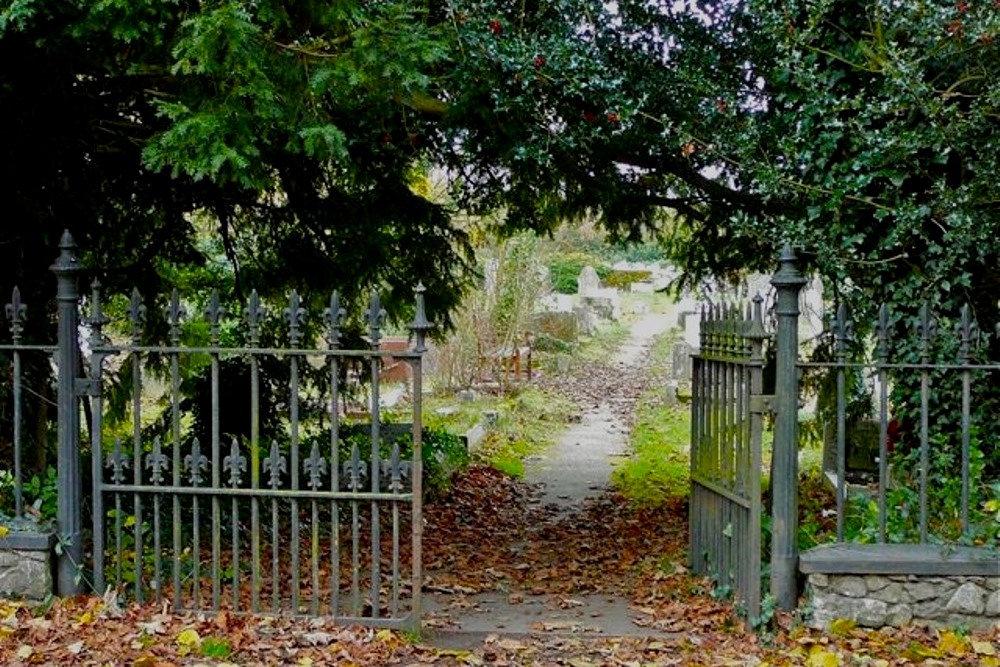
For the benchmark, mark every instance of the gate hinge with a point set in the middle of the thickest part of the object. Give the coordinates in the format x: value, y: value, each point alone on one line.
x: 88, y: 387
x: 761, y: 403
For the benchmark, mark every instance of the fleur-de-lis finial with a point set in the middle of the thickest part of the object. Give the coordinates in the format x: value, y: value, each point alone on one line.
x: 136, y: 315
x: 118, y: 461
x: 843, y: 329
x: 315, y: 467
x: 16, y: 313
x: 97, y: 319
x: 295, y: 315
x: 196, y: 463
x: 255, y: 316
x: 968, y: 332
x: 275, y: 466
x: 235, y: 464
x: 214, y: 313
x: 354, y: 470
x: 157, y: 461
x: 376, y: 319
x: 397, y: 470
x: 175, y: 314
x: 334, y: 316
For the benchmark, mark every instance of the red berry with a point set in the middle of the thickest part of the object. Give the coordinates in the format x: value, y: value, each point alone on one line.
x: 589, y: 116
x: 612, y: 117
x: 539, y: 62
x: 496, y: 27
x: 962, y: 6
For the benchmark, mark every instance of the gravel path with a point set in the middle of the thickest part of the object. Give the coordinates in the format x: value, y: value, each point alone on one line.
x: 579, y: 465
x: 569, y: 476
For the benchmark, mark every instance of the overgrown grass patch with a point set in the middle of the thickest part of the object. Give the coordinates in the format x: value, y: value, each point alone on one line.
x: 658, y: 468
x: 528, y: 422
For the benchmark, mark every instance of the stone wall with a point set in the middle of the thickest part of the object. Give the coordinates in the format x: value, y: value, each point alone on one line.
x: 898, y: 600
x: 897, y: 585
x: 26, y: 565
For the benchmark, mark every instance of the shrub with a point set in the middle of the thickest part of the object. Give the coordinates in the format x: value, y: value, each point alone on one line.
x: 565, y: 268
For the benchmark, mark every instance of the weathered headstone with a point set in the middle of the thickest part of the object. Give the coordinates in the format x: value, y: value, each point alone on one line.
x: 681, y: 369
x: 588, y: 283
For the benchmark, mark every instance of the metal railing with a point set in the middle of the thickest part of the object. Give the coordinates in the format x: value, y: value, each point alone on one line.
x: 929, y: 373
x: 312, y: 515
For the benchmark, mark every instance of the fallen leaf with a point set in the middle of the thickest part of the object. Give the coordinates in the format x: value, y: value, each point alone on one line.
x: 24, y: 651
x: 187, y: 641
x: 821, y: 658
x: 984, y: 648
x: 841, y: 627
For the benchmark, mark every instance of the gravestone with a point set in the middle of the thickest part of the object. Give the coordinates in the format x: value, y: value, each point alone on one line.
x: 588, y: 283
x: 681, y: 369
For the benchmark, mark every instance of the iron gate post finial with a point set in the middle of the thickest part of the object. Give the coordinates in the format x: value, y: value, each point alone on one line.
x: 68, y: 516
x: 788, y: 282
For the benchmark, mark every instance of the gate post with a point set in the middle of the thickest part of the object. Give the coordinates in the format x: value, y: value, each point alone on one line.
x: 69, y: 483
x: 788, y: 282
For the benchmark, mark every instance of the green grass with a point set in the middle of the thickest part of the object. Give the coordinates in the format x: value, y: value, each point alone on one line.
x: 658, y: 468
x: 528, y: 420
x: 528, y: 423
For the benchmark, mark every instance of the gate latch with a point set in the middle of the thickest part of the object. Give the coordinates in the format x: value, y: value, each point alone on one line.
x: 761, y: 403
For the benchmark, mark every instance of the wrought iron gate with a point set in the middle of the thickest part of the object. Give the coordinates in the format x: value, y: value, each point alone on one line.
x: 316, y: 516
x: 726, y: 430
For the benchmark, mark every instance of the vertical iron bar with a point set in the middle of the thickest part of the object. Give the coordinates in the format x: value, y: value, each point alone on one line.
x: 314, y: 605
x: 295, y: 315
x: 15, y: 313
x: 376, y: 316
x: 18, y: 474
x: 841, y: 329
x: 97, y: 322
x: 927, y: 330
x: 195, y: 459
x: 137, y: 315
x: 155, y: 461
x: 420, y: 326
x: 882, y: 331
x: 334, y: 319
x: 355, y: 472
x: 274, y: 464
x: 235, y: 463
x: 968, y: 330
x: 254, y: 317
x: 756, y: 337
x: 275, y: 558
x: 214, y: 313
x: 70, y: 497
x: 175, y: 314
x: 788, y: 282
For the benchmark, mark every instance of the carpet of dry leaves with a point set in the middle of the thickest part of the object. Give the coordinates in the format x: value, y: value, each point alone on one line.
x: 490, y: 534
